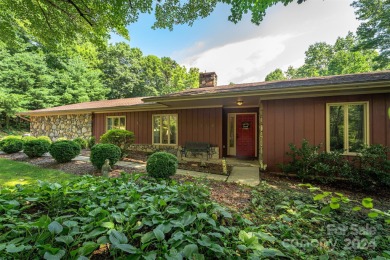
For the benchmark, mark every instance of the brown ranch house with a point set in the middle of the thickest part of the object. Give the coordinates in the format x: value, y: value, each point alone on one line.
x: 255, y: 120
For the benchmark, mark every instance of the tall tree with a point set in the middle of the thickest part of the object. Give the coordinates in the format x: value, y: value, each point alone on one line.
x: 317, y: 59
x: 75, y: 83
x: 26, y: 73
x: 374, y: 31
x: 275, y: 75
x: 10, y: 104
x: 120, y: 66
x: 323, y: 59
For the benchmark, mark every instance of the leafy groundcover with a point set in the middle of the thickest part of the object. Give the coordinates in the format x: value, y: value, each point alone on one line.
x: 118, y: 218
x: 140, y: 218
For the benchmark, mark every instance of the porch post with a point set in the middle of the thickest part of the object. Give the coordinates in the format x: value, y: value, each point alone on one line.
x: 260, y: 137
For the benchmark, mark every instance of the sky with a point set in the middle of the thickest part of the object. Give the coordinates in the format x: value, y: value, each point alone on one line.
x: 245, y: 52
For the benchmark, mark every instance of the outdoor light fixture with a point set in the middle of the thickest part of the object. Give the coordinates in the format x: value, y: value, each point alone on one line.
x: 239, y: 102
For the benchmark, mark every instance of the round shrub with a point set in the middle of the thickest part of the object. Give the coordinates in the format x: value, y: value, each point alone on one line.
x: 161, y: 165
x: 35, y: 148
x: 64, y: 151
x: 11, y: 145
x: 91, y: 142
x: 80, y: 141
x: 101, y: 152
x: 121, y: 138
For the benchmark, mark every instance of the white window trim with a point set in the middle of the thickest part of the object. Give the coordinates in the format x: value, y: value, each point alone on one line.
x: 169, y: 136
x: 346, y: 141
x: 113, y: 117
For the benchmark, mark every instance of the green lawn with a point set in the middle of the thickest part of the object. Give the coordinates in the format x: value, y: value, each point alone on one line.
x: 12, y: 173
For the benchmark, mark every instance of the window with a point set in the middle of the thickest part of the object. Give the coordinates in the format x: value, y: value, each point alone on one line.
x: 347, y: 126
x: 165, y: 129
x: 115, y: 122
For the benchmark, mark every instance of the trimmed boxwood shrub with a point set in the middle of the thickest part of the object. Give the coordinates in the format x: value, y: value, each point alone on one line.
x: 161, y: 165
x: 121, y: 138
x: 64, y: 151
x: 35, y: 148
x: 101, y: 152
x: 11, y: 145
x: 91, y: 142
x: 80, y: 141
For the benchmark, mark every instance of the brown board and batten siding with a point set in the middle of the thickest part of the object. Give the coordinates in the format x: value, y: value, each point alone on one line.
x: 292, y: 120
x: 194, y: 125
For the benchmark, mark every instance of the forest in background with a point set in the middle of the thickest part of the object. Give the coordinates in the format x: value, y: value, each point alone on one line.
x: 343, y: 57
x: 33, y: 77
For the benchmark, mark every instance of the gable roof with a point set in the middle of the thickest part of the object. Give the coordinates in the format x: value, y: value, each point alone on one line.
x: 279, y: 85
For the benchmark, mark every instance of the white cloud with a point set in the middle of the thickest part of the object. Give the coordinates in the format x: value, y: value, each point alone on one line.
x: 240, y: 61
x: 246, y: 53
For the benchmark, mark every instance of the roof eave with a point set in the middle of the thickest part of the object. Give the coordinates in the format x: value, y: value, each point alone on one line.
x: 93, y: 110
x: 307, y: 91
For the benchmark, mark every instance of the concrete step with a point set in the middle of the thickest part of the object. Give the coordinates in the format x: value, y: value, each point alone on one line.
x: 245, y: 175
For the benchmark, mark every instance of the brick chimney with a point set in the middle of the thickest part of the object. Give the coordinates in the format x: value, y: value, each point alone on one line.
x: 207, y: 79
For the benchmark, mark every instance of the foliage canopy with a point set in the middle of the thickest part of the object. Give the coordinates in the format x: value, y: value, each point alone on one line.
x: 56, y: 23
x: 323, y: 59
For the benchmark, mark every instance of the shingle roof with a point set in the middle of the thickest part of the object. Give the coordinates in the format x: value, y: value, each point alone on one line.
x: 124, y: 102
x: 234, y: 88
x: 284, y: 84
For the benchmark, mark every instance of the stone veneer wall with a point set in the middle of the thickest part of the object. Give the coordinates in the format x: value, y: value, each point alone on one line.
x: 57, y: 126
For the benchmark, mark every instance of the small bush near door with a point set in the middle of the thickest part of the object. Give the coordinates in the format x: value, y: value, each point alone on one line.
x: 101, y: 152
x: 121, y: 138
x: 309, y: 162
x: 64, y: 151
x: 161, y: 165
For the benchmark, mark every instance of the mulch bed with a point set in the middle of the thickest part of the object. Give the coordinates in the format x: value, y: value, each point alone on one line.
x: 235, y: 196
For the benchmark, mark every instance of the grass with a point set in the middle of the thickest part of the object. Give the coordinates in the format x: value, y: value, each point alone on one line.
x: 4, y: 133
x: 12, y: 173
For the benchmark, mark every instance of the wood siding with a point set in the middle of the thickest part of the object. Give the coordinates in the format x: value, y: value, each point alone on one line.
x: 292, y: 120
x: 197, y: 125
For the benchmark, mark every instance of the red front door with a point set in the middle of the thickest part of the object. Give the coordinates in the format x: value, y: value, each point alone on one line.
x: 245, y: 131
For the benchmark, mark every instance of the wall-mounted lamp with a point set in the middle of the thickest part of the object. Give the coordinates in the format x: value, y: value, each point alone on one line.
x: 239, y: 102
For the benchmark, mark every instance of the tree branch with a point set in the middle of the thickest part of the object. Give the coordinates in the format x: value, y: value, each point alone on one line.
x: 80, y: 12
x: 61, y: 9
x: 44, y: 14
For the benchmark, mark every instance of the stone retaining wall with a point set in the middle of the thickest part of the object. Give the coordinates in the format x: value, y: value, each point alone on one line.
x: 66, y: 126
x: 172, y: 149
